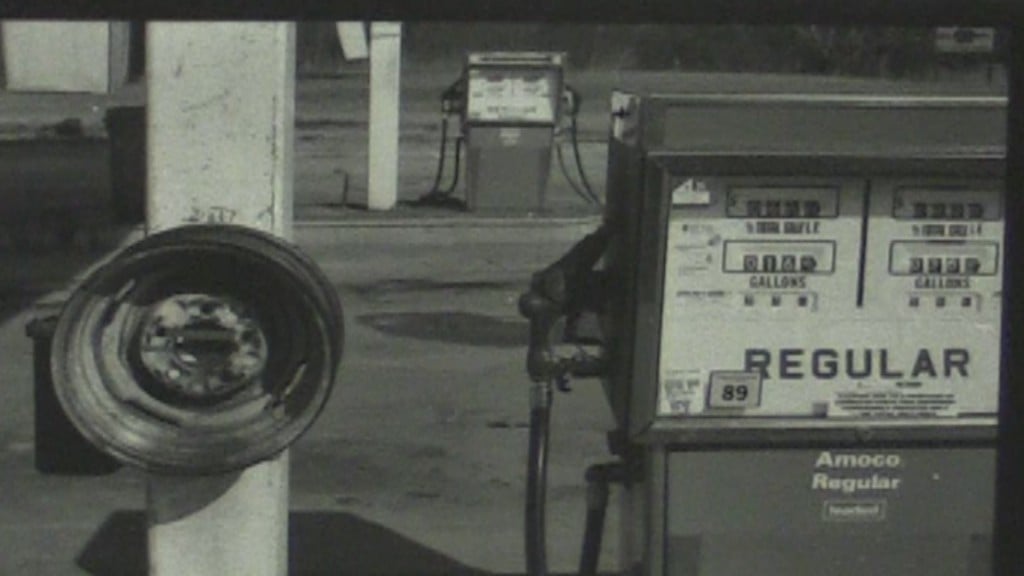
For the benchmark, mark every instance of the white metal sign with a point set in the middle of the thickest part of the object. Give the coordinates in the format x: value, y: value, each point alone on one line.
x: 511, y: 96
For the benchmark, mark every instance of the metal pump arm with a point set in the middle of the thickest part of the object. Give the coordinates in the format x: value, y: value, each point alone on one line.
x: 565, y: 288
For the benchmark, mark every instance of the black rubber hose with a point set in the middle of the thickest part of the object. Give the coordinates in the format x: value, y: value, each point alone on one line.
x: 565, y: 173
x: 579, y: 161
x: 436, y: 196
x: 536, y: 488
x: 593, y: 534
x: 458, y: 157
x: 440, y: 159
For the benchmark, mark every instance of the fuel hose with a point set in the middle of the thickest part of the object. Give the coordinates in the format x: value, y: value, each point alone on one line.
x: 536, y: 489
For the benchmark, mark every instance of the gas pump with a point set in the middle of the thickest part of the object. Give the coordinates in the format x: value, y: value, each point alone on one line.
x: 801, y: 335
x: 510, y: 106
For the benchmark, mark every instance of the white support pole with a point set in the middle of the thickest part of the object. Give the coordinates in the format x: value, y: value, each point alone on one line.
x: 385, y: 76
x: 220, y: 125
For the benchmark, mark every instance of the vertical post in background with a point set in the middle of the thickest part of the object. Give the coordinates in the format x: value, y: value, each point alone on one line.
x: 385, y: 80
x: 220, y: 122
x: 352, y: 36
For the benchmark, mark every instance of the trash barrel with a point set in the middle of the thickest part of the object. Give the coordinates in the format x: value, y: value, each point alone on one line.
x: 59, y: 448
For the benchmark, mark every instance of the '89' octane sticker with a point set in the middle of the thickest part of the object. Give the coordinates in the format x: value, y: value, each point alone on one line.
x: 734, y: 389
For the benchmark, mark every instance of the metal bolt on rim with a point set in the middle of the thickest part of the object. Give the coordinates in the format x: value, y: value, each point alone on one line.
x: 202, y: 346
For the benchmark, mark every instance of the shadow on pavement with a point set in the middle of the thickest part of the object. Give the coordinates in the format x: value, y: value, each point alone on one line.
x: 320, y: 543
x: 385, y: 290
x: 453, y: 327
x: 118, y: 548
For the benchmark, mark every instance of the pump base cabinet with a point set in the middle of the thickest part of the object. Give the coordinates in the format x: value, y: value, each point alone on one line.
x: 807, y: 512
x: 513, y: 104
x: 806, y: 341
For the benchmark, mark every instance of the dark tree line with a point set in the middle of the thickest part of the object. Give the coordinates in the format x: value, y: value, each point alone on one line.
x: 798, y: 49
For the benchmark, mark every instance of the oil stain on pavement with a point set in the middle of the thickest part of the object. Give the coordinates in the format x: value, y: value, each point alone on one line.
x: 385, y: 290
x: 452, y: 327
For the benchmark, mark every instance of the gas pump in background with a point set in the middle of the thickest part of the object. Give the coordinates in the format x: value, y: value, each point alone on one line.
x: 512, y: 107
x: 800, y: 336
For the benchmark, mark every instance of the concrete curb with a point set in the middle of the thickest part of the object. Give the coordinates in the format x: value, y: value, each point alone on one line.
x: 444, y: 231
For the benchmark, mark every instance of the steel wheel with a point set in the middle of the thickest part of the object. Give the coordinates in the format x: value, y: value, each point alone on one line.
x: 199, y: 350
